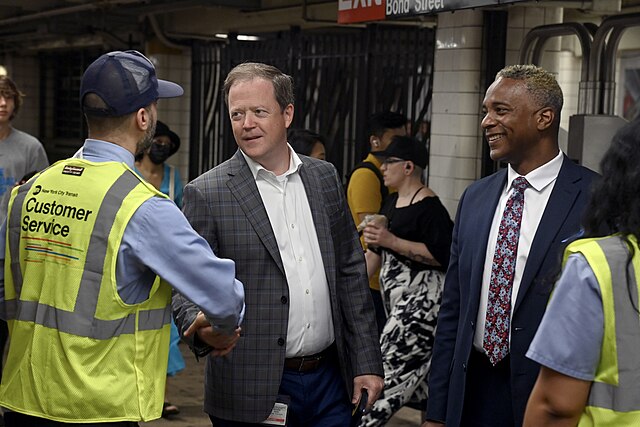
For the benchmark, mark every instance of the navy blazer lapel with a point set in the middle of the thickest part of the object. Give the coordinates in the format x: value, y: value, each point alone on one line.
x: 490, y: 196
x: 564, y: 194
x: 243, y: 187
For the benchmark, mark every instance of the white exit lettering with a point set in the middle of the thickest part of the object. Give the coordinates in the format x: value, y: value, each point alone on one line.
x: 355, y: 4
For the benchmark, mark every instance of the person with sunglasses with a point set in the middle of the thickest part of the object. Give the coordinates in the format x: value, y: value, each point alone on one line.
x: 412, y: 251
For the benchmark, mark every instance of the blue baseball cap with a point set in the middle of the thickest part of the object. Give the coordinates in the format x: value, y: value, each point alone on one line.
x: 126, y: 81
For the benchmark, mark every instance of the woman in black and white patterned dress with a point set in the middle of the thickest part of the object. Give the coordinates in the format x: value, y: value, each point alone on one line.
x: 413, y: 252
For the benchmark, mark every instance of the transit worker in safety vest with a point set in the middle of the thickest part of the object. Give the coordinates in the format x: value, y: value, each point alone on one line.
x: 589, y: 340
x: 87, y: 241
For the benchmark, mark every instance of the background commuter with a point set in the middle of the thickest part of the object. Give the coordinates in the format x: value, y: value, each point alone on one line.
x: 366, y: 190
x: 307, y: 143
x: 413, y: 250
x: 150, y: 163
x: 20, y: 154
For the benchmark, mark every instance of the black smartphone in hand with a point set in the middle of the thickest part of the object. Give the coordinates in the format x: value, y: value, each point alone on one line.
x: 360, y: 408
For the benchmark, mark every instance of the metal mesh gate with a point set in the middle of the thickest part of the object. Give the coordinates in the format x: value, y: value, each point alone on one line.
x: 341, y: 77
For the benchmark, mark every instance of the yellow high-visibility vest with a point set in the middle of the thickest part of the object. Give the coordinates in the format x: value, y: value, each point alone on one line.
x: 614, y: 398
x: 79, y: 353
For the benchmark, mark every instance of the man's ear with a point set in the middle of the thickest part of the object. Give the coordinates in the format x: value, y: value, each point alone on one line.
x: 143, y: 119
x: 545, y: 118
x: 288, y: 115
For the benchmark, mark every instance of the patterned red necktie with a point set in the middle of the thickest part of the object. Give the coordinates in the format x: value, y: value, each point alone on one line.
x: 496, y: 331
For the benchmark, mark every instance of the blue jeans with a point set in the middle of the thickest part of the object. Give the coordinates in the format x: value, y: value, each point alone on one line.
x: 318, y: 399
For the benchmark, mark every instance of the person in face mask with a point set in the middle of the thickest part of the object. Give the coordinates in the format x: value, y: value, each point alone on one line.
x: 150, y: 164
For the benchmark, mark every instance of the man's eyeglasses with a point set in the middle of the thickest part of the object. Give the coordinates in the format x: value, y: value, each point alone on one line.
x: 389, y: 161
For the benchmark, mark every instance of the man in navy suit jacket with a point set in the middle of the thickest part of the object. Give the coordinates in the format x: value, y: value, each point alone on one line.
x: 521, y: 121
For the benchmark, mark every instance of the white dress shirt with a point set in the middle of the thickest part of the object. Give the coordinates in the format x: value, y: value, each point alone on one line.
x: 536, y: 196
x: 310, y: 328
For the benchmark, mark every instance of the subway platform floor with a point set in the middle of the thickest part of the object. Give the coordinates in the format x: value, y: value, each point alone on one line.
x: 185, y: 390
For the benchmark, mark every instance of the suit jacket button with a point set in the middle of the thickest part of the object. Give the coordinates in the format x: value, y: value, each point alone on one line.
x: 280, y: 342
x: 464, y: 367
x: 283, y: 300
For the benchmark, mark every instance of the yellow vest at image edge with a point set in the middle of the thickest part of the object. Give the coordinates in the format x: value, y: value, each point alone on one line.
x: 614, y: 398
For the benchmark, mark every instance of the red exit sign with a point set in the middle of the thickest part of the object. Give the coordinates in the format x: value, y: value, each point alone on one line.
x: 350, y: 11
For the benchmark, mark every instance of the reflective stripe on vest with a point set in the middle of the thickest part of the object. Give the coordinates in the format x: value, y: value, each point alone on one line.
x: 81, y: 321
x: 13, y: 229
x: 625, y: 396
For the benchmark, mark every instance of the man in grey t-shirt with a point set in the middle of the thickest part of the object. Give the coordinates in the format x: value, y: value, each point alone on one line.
x: 20, y: 153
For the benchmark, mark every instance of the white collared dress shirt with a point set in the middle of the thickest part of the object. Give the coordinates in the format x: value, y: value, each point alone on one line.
x: 310, y: 328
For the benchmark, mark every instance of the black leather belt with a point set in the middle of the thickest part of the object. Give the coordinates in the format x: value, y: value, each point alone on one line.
x: 307, y: 363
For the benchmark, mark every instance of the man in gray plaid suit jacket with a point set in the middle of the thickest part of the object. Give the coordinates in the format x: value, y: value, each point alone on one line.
x: 309, y: 344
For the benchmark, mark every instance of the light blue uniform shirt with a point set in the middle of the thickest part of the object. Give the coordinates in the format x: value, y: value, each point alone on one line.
x: 160, y: 241
x: 569, y: 339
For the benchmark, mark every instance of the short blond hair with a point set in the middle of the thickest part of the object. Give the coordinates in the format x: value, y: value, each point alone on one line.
x: 540, y: 83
